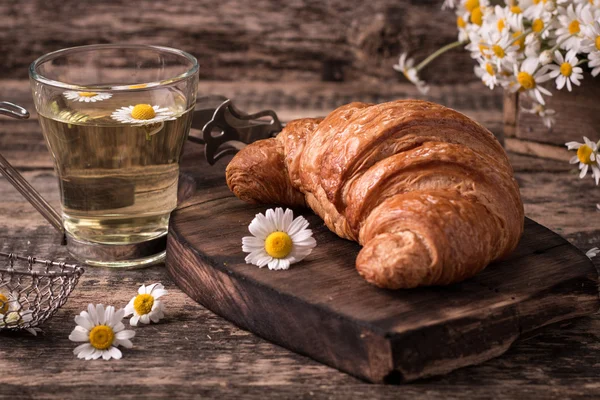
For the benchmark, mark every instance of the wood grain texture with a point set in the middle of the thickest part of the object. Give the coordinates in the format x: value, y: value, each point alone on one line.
x: 578, y: 115
x: 324, y: 309
x: 194, y: 353
x: 301, y: 40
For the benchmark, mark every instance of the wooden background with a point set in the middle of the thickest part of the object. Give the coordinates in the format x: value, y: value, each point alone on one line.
x: 236, y: 40
x: 300, y: 58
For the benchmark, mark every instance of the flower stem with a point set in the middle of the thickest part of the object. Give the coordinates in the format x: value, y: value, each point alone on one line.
x: 438, y: 53
x: 552, y: 50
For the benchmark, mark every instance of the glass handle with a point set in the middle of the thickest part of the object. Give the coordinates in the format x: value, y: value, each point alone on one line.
x: 16, y: 179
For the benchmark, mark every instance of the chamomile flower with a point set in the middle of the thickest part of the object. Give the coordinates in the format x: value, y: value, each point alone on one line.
x: 547, y: 115
x: 529, y: 77
x: 487, y: 73
x: 568, y: 36
x: 501, y: 49
x: 593, y: 252
x: 143, y: 114
x: 532, y: 45
x: 566, y: 70
x: 12, y: 312
x: 587, y: 158
x: 591, y: 41
x: 504, y: 20
x: 146, y: 307
x: 102, y: 331
x: 541, y: 25
x: 87, y: 97
x: 278, y: 239
x: 514, y: 15
x: 594, y: 63
x: 406, y: 66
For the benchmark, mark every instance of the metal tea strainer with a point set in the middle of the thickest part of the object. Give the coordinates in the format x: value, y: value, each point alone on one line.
x: 32, y: 290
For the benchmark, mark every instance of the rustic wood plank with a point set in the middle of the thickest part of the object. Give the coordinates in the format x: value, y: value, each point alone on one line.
x: 269, y: 40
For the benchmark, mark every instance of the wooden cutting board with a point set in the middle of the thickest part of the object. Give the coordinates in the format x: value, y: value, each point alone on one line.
x: 323, y: 309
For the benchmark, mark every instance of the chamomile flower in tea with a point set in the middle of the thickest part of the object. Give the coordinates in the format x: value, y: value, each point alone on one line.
x: 142, y: 114
x: 87, y: 97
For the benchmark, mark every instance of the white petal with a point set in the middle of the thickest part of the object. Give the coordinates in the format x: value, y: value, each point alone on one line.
x: 278, y: 219
x: 115, y: 353
x: 158, y: 293
x: 100, y: 313
x: 134, y: 320
x: 300, y: 223
x: 96, y: 354
x: 286, y: 220
x: 82, y: 350
x: 274, y: 264
x: 145, y: 319
x: 129, y: 307
x: 79, y: 334
x: 574, y: 160
x: 125, y: 343
x: 284, y: 264
x: 584, y: 171
x: 92, y: 314
x: 106, y: 355
x: 118, y: 316
x: 84, y: 321
x: 109, y: 312
x: 118, y: 327
x: 302, y: 235
x: 142, y: 289
x: 261, y: 227
x: 123, y: 335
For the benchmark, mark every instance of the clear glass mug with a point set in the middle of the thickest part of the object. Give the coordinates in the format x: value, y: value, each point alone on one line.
x: 115, y: 118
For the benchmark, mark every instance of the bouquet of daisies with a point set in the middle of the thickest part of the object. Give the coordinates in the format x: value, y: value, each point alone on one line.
x: 519, y: 45
x: 530, y: 46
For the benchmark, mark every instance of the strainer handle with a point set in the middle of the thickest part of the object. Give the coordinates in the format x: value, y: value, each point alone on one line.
x: 17, y: 180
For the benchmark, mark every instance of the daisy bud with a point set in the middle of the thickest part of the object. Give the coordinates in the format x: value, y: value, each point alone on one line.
x: 549, y: 6
x: 546, y: 57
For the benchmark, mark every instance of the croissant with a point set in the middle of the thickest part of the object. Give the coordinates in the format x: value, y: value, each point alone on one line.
x: 427, y: 192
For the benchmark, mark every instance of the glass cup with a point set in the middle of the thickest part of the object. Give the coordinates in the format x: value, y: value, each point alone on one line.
x: 115, y: 118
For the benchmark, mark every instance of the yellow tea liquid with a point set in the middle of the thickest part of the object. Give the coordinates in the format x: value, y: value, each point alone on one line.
x: 118, y: 180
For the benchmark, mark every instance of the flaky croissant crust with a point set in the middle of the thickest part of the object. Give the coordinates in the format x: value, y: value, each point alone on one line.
x: 428, y: 192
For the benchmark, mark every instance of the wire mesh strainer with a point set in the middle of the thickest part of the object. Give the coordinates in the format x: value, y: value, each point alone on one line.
x: 32, y: 290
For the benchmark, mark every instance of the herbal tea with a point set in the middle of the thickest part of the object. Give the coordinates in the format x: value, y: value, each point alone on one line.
x: 117, y: 160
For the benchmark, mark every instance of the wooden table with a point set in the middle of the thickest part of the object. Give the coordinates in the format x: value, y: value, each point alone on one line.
x: 194, y: 352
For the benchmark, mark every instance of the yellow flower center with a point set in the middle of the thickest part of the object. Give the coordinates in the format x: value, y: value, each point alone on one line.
x: 584, y: 153
x: 460, y: 22
x: 489, y: 69
x: 498, y: 51
x: 470, y: 5
x: 477, y: 16
x: 102, y: 337
x: 516, y: 10
x: 3, y: 304
x: 278, y: 244
x: 87, y: 94
x: 526, y: 80
x: 574, y: 27
x: 501, y: 24
x: 537, y: 25
x: 597, y: 42
x: 566, y: 69
x: 143, y: 111
x: 143, y: 303
x: 140, y: 86
x: 519, y: 42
